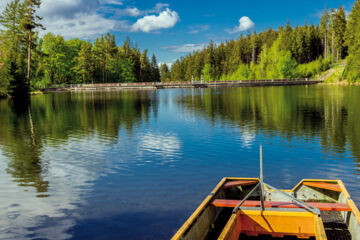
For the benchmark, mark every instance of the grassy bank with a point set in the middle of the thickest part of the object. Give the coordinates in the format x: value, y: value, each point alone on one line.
x: 334, y: 74
x: 36, y: 92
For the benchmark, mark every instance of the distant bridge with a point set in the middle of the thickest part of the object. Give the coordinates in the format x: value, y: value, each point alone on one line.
x: 188, y: 84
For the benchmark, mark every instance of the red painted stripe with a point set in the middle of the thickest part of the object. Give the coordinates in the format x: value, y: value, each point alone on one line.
x: 267, y: 204
x: 328, y: 186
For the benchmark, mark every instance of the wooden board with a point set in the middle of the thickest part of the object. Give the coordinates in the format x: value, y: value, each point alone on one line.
x: 267, y: 204
x: 322, y: 185
x: 239, y: 183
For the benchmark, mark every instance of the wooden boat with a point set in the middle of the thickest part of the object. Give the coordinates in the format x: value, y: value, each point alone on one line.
x: 218, y: 218
x: 248, y: 208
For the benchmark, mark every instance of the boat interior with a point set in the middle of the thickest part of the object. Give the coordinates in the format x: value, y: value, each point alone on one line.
x: 248, y: 208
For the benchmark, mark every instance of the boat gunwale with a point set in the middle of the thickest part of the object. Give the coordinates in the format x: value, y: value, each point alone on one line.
x: 207, y: 201
x: 204, y: 204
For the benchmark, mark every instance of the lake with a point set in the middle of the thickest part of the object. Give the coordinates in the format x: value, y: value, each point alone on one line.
x: 135, y: 164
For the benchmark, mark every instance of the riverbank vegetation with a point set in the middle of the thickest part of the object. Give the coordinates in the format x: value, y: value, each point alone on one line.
x: 28, y: 62
x: 299, y: 52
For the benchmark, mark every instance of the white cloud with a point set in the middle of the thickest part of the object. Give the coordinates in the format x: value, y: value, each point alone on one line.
x: 159, y: 7
x: 245, y: 24
x: 186, y: 48
x: 76, y: 18
x: 87, y: 18
x: 112, y: 2
x: 130, y: 11
x: 198, y: 28
x: 81, y: 26
x: 165, y: 19
x: 51, y: 9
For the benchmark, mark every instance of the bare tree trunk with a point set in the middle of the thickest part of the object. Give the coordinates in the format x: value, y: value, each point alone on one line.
x: 326, y: 47
x: 332, y: 48
x: 253, y: 52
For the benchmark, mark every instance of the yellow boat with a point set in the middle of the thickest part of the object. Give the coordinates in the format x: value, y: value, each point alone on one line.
x: 248, y: 208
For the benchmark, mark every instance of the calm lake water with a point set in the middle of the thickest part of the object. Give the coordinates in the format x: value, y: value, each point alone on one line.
x: 135, y: 164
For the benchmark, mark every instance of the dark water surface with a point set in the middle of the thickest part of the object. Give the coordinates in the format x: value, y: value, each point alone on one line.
x: 135, y: 164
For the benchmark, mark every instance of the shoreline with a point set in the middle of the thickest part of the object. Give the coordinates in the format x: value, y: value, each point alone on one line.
x: 341, y: 83
x: 168, y: 85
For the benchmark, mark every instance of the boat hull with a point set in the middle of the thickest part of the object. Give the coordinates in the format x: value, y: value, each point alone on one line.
x: 214, y: 218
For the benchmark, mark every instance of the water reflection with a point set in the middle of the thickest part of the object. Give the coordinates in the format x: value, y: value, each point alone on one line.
x: 46, y: 176
x: 166, y: 145
x: 307, y: 112
x: 112, y: 161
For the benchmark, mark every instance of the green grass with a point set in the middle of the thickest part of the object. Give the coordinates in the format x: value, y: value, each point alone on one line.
x: 333, y: 75
x: 36, y: 93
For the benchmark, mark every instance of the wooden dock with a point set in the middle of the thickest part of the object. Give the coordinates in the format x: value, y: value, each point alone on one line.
x: 188, y: 84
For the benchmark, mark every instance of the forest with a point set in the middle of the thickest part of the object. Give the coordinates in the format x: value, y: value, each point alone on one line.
x: 29, y: 62
x: 299, y: 52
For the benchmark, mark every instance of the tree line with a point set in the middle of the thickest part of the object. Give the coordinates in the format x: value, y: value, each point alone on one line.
x: 288, y: 52
x: 29, y: 62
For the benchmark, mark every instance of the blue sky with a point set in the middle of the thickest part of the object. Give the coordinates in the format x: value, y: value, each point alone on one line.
x: 171, y: 29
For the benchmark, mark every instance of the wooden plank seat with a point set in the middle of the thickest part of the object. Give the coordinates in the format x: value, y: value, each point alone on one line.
x: 322, y: 185
x: 241, y: 183
x: 321, y: 206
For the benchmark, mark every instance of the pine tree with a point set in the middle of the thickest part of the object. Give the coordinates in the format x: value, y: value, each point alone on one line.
x: 324, y: 26
x: 13, y: 50
x: 84, y: 63
x: 339, y: 30
x: 164, y: 73
x: 155, y: 73
x: 110, y: 51
x: 332, y: 32
x: 353, y: 43
x: 352, y: 35
x: 145, y: 75
x: 99, y: 55
x: 30, y: 22
x: 56, y: 61
x: 127, y: 73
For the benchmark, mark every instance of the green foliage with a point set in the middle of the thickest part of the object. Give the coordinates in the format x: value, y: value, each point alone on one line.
x: 127, y: 73
x: 242, y: 73
x: 287, y: 66
x: 352, y: 71
x: 339, y: 29
x: 56, y: 59
x: 84, y: 63
x: 164, y: 73
x: 207, y: 73
x: 154, y: 69
x: 13, y: 51
x: 17, y: 81
x: 313, y: 68
x: 177, y: 71
x: 266, y: 55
